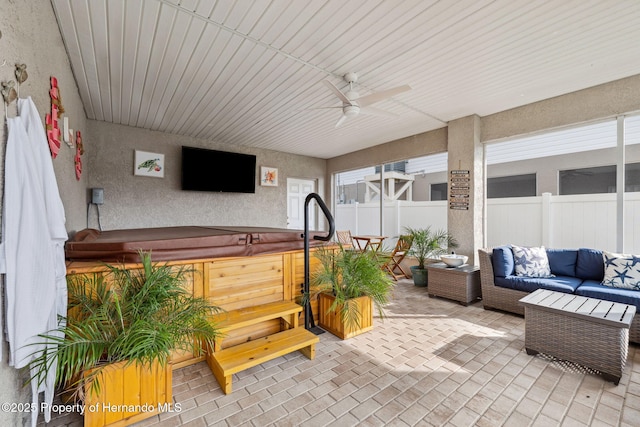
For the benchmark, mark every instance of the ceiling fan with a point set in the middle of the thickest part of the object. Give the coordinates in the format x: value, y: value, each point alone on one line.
x: 353, y: 104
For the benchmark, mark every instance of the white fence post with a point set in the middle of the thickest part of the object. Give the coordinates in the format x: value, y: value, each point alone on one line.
x: 546, y: 219
x: 398, y: 218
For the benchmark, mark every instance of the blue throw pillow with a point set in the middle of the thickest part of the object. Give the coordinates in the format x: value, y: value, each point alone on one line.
x: 589, y: 265
x: 502, y: 260
x: 563, y: 261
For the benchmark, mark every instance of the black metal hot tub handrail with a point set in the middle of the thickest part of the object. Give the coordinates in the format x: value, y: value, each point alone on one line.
x: 308, y: 314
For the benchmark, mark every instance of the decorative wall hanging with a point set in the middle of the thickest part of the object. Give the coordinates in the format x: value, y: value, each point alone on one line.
x: 53, y: 132
x: 268, y: 176
x: 79, y: 151
x: 56, y: 97
x: 77, y: 160
x: 51, y: 120
x: 79, y: 142
x: 7, y: 89
x: 21, y: 73
x: 148, y: 164
x: 8, y: 92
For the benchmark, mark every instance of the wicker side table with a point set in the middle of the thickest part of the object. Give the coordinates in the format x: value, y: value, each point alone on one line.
x: 460, y: 284
x: 587, y: 331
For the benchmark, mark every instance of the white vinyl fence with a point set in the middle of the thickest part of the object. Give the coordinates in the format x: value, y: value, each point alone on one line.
x: 553, y: 221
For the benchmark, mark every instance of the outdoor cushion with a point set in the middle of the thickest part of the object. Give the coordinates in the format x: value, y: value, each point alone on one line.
x: 591, y: 288
x: 621, y: 271
x: 502, y: 260
x: 529, y: 284
x: 531, y: 261
x: 589, y: 265
x: 563, y: 261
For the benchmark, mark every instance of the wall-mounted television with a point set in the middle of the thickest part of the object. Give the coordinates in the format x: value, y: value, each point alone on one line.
x: 221, y: 171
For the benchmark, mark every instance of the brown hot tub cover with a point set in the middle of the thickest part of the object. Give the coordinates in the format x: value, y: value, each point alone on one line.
x: 187, y: 242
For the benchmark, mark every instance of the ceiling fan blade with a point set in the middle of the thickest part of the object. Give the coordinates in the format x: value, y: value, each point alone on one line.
x: 335, y: 90
x: 325, y: 108
x: 373, y: 111
x: 381, y: 96
x: 341, y: 121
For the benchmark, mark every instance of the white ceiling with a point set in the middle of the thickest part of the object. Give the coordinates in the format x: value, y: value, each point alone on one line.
x: 250, y: 72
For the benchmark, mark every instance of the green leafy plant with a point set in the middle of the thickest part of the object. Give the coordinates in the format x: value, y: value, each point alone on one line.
x: 138, y: 316
x: 429, y: 244
x: 349, y: 274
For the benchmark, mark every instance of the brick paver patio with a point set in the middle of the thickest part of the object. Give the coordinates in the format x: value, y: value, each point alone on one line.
x: 431, y: 362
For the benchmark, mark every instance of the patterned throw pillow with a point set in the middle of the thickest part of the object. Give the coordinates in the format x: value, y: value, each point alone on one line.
x: 531, y: 262
x: 621, y: 271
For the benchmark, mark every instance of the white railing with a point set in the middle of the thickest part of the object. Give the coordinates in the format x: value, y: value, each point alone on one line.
x: 554, y: 221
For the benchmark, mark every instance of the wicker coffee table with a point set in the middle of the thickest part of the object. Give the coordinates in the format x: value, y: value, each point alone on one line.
x: 461, y: 284
x: 587, y: 331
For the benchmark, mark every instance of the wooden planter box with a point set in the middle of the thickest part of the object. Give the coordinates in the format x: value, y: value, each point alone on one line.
x: 128, y: 395
x: 332, y: 321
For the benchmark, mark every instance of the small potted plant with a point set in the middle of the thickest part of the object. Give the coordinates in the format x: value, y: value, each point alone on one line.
x: 349, y: 285
x: 121, y: 331
x: 427, y: 244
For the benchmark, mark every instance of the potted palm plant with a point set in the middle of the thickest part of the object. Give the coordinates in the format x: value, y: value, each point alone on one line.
x: 427, y: 244
x: 121, y: 331
x: 349, y: 285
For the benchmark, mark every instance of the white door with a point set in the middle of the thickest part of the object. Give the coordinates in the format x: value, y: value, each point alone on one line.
x: 297, y: 191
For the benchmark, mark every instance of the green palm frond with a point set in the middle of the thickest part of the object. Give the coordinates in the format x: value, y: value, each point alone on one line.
x: 429, y: 243
x: 138, y: 316
x: 349, y: 274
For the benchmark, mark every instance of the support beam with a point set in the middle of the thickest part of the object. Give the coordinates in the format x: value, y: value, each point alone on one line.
x: 466, y: 186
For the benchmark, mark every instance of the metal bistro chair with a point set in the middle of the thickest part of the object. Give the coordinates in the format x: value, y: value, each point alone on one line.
x: 396, y: 256
x: 345, y: 239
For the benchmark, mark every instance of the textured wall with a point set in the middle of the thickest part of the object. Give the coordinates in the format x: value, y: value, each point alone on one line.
x: 422, y: 144
x: 595, y: 103
x: 134, y: 201
x: 30, y: 35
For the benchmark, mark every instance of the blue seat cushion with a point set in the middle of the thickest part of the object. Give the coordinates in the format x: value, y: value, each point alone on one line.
x: 590, y: 264
x: 502, y: 260
x: 563, y: 261
x: 593, y: 289
x: 564, y: 284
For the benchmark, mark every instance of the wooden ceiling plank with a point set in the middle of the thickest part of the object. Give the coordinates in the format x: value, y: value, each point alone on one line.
x: 115, y: 43
x: 145, y: 37
x: 289, y: 80
x: 290, y: 22
x: 82, y: 22
x: 200, y: 65
x: 131, y: 17
x: 160, y: 54
x: 235, y: 77
x: 180, y: 46
x: 71, y: 37
x: 225, y: 48
x: 221, y: 11
x: 99, y: 24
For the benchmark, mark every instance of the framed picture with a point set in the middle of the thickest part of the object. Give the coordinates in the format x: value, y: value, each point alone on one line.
x: 148, y: 164
x: 268, y: 176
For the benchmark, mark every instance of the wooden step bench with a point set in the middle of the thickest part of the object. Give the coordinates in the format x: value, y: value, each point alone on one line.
x: 226, y: 362
x: 230, y: 320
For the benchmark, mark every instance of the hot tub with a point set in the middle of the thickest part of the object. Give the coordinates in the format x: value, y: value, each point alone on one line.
x: 180, y: 243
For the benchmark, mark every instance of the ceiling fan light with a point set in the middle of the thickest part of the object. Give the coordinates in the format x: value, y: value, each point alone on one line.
x: 351, y: 110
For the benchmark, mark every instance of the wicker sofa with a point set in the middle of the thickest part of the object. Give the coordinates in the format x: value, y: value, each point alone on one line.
x: 577, y: 271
